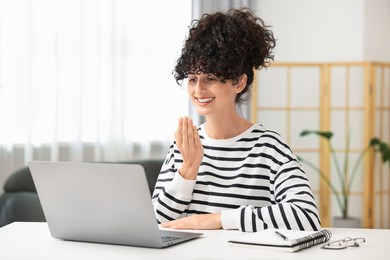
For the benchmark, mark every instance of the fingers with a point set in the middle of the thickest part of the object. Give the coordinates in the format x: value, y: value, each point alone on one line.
x: 178, y: 133
x: 181, y: 223
x: 199, y: 221
x: 197, y: 141
x: 175, y: 224
x: 186, y: 134
x: 190, y: 147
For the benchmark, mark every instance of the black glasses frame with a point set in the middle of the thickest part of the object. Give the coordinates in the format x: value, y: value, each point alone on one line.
x: 344, y: 243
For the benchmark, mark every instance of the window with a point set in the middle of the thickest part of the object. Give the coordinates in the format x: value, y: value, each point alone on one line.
x: 88, y: 80
x: 90, y: 71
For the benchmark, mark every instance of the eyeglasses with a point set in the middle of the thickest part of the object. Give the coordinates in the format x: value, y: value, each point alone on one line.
x: 344, y: 243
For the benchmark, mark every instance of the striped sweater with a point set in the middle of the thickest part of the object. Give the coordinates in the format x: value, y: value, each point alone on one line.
x: 253, y: 179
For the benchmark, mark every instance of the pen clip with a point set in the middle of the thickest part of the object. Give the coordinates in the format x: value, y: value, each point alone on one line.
x: 281, y: 235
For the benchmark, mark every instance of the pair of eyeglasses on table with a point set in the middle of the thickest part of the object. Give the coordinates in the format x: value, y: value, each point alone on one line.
x: 344, y: 243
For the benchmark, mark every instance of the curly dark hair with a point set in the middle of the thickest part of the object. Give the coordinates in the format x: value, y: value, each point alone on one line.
x: 226, y: 45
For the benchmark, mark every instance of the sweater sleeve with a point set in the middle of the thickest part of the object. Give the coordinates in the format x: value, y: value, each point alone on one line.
x: 172, y: 193
x: 293, y: 207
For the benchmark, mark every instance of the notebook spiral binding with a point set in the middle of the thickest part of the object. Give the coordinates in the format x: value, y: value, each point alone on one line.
x: 314, y: 239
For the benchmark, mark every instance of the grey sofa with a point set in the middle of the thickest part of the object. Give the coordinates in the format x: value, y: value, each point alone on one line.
x: 20, y: 202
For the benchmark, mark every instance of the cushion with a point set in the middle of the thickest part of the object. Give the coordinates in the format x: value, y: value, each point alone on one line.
x: 20, y: 180
x: 20, y: 206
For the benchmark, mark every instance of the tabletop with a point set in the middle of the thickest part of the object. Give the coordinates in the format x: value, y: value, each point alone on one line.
x: 22, y: 240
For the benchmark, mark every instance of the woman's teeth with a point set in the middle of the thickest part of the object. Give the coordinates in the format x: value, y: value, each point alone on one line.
x: 204, y: 100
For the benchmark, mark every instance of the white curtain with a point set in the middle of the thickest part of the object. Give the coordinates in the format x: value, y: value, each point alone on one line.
x: 89, y: 80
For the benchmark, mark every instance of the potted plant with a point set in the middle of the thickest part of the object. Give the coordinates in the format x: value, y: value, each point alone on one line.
x: 344, y: 174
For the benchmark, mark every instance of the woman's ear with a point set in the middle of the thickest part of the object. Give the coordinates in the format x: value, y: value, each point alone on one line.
x: 241, y: 84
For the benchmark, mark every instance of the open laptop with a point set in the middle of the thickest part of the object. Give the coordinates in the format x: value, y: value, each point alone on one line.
x: 102, y: 203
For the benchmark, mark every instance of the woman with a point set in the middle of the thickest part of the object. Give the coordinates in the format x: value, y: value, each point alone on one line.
x: 229, y: 173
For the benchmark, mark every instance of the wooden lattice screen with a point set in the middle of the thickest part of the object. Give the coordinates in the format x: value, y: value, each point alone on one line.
x: 349, y: 99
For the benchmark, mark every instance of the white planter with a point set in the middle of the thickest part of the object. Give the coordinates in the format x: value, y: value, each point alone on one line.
x: 351, y: 222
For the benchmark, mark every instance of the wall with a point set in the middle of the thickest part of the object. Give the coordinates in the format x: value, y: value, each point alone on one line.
x: 332, y: 30
x: 377, y: 30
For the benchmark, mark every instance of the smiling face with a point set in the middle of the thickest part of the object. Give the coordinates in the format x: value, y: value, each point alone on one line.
x: 212, y: 96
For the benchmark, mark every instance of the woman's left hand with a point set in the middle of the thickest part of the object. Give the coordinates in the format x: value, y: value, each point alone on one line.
x: 200, y: 221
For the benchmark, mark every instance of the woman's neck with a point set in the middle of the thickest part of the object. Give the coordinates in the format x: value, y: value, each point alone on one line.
x: 226, y: 128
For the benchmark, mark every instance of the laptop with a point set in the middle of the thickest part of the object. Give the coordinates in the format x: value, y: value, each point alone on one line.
x: 102, y: 203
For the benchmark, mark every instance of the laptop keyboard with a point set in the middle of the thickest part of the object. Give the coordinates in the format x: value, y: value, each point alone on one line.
x: 169, y: 238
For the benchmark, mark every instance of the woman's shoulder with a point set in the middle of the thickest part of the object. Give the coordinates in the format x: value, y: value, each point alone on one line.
x: 259, y: 131
x: 271, y: 137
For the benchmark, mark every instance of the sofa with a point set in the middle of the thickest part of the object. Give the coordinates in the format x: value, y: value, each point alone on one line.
x: 20, y: 202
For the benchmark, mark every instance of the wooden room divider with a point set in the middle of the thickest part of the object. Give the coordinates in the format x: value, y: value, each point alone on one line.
x: 351, y: 99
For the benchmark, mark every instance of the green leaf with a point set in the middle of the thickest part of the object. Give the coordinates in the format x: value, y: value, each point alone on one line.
x: 326, y: 134
x: 385, y: 152
x: 305, y: 132
x: 375, y: 141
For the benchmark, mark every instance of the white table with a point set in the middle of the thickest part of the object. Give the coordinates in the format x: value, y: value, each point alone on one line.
x: 33, y: 241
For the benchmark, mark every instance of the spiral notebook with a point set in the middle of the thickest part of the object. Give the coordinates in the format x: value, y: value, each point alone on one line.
x: 285, y: 240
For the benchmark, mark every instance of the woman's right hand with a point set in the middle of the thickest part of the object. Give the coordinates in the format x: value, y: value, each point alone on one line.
x: 191, y: 149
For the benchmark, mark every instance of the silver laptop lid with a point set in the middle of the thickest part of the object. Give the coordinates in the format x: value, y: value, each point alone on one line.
x: 97, y: 202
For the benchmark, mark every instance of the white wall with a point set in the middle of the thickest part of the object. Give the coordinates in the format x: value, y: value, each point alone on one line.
x: 331, y: 30
x: 377, y: 30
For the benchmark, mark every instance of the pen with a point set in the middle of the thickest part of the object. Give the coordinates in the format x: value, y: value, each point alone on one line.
x: 281, y: 235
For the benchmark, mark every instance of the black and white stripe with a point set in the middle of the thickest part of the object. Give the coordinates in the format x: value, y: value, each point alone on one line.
x: 255, y: 176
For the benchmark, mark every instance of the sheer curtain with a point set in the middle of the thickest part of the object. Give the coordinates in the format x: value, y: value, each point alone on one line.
x: 89, y: 80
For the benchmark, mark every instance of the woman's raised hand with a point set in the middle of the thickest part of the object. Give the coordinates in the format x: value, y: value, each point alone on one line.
x: 190, y: 147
